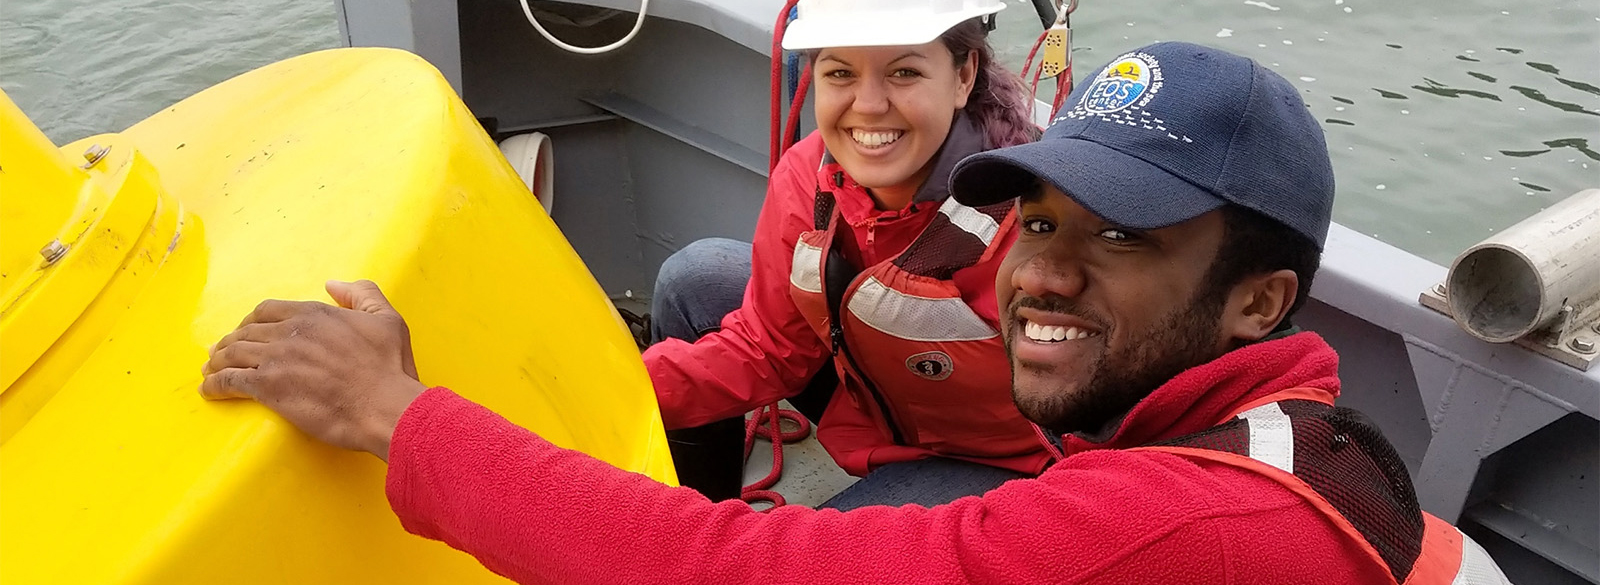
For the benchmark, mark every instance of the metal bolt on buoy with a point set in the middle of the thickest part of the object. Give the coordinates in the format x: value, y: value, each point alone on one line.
x: 53, y: 251
x: 1583, y: 345
x: 93, y: 155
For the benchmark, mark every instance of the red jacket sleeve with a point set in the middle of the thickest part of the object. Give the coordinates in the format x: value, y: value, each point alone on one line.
x: 537, y: 513
x: 764, y: 351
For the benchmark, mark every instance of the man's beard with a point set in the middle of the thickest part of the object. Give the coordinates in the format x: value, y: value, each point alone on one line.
x: 1117, y: 381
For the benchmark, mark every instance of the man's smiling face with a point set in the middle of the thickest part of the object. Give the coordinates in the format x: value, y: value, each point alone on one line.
x: 1096, y: 316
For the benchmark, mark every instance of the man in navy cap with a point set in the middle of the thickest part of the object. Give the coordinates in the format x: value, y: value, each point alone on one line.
x: 1175, y: 212
x: 1171, y: 221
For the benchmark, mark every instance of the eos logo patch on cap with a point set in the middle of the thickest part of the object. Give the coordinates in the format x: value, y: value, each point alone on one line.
x: 932, y: 365
x: 1122, y: 84
x: 1120, y: 94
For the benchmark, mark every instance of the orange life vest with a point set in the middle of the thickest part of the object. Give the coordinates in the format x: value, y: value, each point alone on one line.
x: 1343, y: 466
x: 911, y: 354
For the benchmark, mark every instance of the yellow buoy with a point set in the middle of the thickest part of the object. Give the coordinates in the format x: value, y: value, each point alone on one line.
x: 126, y: 255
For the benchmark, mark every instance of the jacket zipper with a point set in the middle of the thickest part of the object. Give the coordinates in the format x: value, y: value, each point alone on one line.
x: 836, y: 336
x: 836, y: 331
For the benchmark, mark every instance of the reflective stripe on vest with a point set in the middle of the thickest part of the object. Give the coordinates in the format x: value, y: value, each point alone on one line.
x: 1447, y: 556
x: 916, y: 318
x: 1476, y: 566
x: 1271, y: 436
x: 806, y: 272
x: 971, y: 220
x: 1471, y: 566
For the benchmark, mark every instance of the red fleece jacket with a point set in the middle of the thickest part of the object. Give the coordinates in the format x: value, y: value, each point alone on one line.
x: 541, y: 514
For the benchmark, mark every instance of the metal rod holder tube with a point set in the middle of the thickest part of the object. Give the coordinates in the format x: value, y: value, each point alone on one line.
x: 1520, y: 280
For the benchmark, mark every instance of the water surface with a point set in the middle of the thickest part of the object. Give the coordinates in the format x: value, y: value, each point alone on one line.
x: 1447, y: 120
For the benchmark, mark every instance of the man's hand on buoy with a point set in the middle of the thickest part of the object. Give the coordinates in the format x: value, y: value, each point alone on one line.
x: 342, y: 374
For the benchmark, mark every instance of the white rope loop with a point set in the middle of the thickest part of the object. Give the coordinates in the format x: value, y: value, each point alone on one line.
x: 644, y: 5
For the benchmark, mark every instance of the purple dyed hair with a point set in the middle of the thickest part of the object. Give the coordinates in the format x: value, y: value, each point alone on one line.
x: 999, y: 102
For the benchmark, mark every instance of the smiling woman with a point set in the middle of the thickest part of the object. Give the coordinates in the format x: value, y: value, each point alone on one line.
x: 883, y: 112
x: 860, y: 252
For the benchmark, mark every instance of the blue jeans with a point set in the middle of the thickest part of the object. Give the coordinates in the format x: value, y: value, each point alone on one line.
x: 699, y: 285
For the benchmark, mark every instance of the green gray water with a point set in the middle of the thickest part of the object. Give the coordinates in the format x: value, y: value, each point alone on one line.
x: 1448, y: 120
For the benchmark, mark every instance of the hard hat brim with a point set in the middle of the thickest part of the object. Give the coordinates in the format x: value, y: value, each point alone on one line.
x: 862, y: 31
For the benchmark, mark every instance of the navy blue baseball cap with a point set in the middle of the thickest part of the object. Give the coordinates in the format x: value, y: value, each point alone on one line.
x: 1166, y: 133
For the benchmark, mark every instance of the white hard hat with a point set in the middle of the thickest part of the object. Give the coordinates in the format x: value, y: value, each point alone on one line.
x: 879, y: 23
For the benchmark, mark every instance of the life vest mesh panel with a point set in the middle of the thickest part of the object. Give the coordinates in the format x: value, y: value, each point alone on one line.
x: 1231, y: 437
x: 1343, y: 456
x: 822, y: 209
x: 943, y: 248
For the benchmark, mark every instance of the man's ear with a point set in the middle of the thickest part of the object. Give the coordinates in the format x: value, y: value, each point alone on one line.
x: 1258, y: 303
